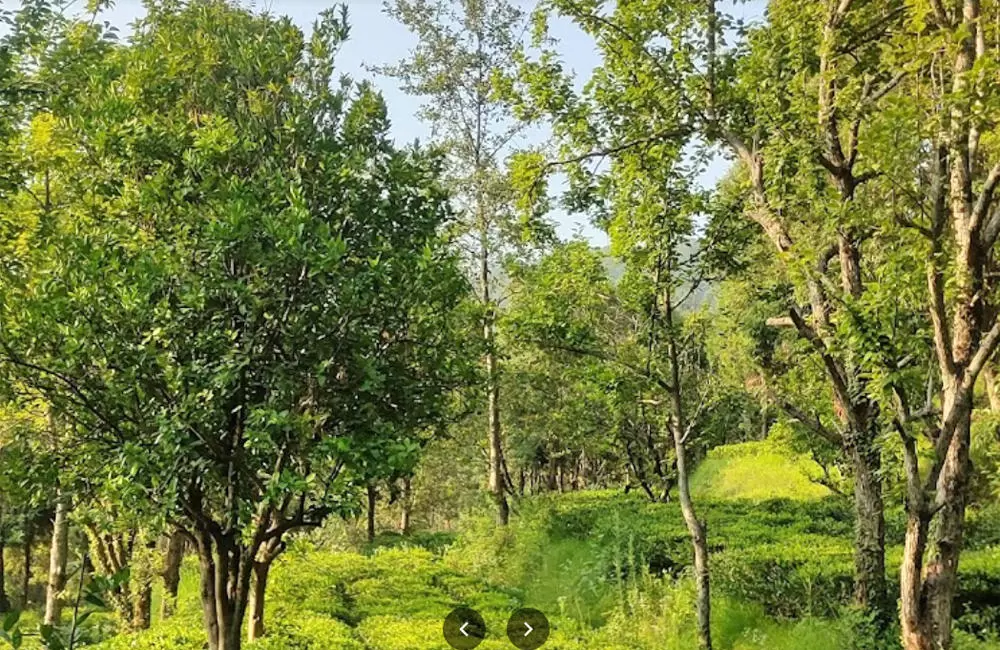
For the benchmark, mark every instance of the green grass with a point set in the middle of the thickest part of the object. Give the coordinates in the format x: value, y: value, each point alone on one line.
x: 757, y: 471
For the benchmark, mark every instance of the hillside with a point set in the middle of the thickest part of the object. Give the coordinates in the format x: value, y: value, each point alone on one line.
x: 608, y: 569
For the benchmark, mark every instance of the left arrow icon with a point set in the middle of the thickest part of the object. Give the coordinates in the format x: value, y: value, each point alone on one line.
x: 464, y: 629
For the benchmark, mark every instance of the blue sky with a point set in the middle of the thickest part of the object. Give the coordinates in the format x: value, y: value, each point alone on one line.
x: 376, y: 39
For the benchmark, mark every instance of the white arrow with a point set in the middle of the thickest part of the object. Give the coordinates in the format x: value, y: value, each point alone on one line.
x: 462, y: 629
x: 530, y: 629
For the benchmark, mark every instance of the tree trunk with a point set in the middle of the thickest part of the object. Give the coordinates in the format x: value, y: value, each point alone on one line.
x: 914, y: 636
x: 765, y: 423
x: 407, y: 506
x: 226, y: 570
x: 58, y: 556
x: 210, y: 616
x: 494, y: 432
x: 142, y: 612
x: 699, y: 540
x: 990, y: 379
x: 255, y: 626
x: 372, y: 498
x: 870, y: 589
x: 172, y: 574
x: 4, y: 599
x: 928, y: 592
x: 29, y: 541
x: 679, y: 430
x: 113, y: 553
x: 496, y: 442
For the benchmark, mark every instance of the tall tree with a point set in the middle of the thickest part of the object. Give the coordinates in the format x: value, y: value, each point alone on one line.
x: 666, y: 78
x: 461, y: 47
x: 942, y: 167
x: 271, y: 291
x: 567, y: 305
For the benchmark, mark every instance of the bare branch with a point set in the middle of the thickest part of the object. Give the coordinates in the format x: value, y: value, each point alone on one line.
x: 693, y: 420
x: 939, y: 320
x: 610, y: 151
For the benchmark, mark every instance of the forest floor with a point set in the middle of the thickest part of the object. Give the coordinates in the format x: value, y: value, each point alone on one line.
x: 608, y: 570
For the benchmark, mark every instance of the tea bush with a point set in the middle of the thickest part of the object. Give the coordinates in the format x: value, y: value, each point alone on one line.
x: 611, y: 571
x: 794, y: 558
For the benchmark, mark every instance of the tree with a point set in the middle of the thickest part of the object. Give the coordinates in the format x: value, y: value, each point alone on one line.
x: 558, y: 428
x: 941, y: 172
x: 171, y: 573
x: 788, y: 104
x: 58, y: 559
x: 270, y: 293
x: 566, y: 304
x: 461, y: 48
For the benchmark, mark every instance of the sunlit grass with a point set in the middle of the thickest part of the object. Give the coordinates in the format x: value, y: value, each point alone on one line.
x: 757, y: 471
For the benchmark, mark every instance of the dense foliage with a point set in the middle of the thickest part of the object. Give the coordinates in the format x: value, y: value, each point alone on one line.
x: 254, y: 351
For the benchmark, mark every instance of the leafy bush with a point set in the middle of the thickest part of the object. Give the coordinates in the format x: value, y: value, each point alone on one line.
x: 178, y: 633
x: 799, y: 577
x: 293, y: 631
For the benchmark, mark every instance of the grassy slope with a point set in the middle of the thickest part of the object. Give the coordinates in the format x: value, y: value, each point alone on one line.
x: 756, y: 471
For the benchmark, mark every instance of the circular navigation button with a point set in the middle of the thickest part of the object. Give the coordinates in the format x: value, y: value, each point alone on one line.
x: 464, y: 629
x: 528, y: 629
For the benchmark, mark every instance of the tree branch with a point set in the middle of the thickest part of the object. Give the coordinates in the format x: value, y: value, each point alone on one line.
x: 987, y: 347
x: 982, y: 208
x: 813, y: 423
x: 833, y: 369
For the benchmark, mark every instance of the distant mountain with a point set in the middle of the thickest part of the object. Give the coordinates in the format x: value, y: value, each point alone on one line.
x: 703, y: 294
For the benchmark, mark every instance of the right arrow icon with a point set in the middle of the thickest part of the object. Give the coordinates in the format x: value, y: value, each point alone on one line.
x: 528, y: 629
